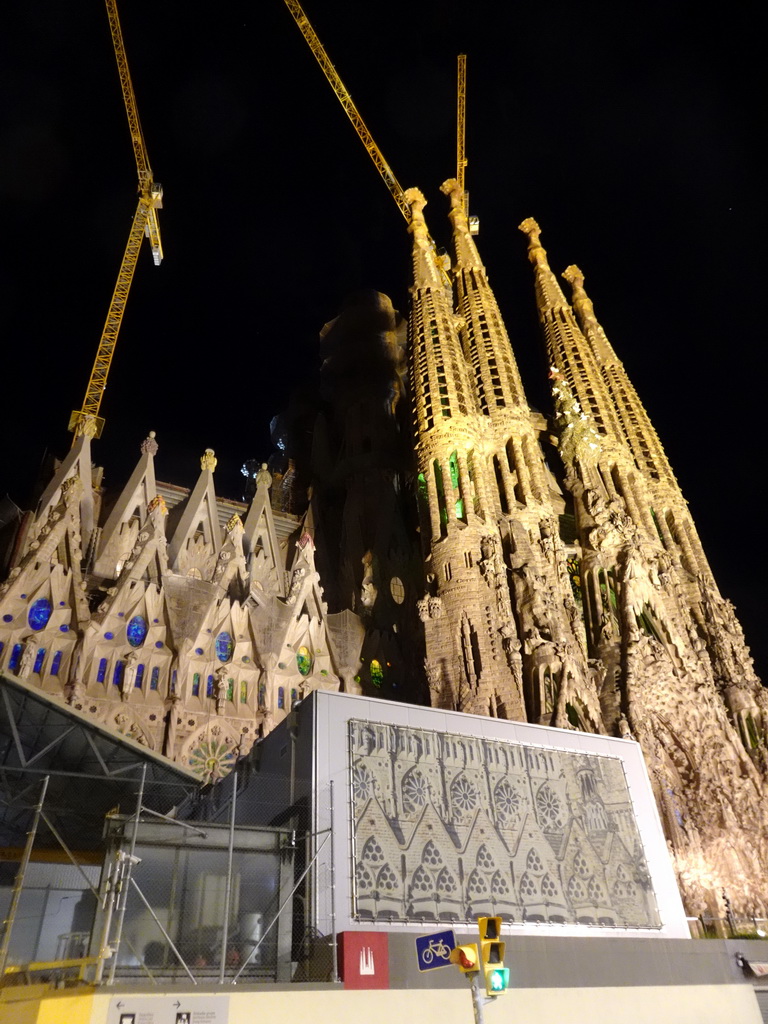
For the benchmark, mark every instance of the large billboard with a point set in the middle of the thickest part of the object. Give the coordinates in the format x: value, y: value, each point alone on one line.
x: 439, y: 817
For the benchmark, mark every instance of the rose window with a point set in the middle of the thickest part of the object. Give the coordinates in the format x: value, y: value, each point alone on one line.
x: 549, y: 808
x: 507, y: 799
x: 415, y: 791
x: 361, y: 783
x: 212, y: 759
x: 463, y: 794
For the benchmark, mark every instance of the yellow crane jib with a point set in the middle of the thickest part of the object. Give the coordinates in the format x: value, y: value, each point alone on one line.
x: 87, y: 420
x: 347, y: 103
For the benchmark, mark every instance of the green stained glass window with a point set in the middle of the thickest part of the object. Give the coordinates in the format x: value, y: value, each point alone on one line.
x: 304, y: 660
x: 230, y: 689
x: 196, y: 684
x: 243, y: 692
x: 422, y: 487
x: 453, y: 464
x: 377, y: 673
x: 460, y: 508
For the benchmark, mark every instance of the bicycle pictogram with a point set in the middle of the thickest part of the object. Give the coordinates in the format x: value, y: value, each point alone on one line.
x: 436, y: 949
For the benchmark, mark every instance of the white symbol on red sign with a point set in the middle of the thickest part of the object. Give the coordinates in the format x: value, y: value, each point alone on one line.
x: 366, y: 961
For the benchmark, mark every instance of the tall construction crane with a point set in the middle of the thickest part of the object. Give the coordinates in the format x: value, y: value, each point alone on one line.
x: 87, y: 420
x: 461, y: 137
x: 347, y: 103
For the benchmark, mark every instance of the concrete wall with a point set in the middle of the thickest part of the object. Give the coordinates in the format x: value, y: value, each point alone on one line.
x: 667, y: 1004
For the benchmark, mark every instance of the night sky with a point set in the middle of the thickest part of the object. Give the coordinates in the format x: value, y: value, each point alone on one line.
x: 629, y: 131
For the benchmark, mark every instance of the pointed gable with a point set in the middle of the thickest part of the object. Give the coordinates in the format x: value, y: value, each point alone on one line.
x: 260, y: 543
x: 118, y: 535
x: 196, y: 541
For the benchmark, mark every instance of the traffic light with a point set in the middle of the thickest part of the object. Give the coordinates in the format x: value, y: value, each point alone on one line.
x: 492, y: 956
x: 465, y: 958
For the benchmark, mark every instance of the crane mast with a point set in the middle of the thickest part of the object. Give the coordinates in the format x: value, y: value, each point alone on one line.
x: 347, y: 103
x: 461, y: 124
x: 87, y: 420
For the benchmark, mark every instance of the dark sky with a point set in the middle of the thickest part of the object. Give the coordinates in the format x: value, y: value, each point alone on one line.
x: 629, y: 131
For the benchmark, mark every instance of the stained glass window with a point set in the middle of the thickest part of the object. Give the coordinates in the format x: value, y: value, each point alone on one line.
x: 209, y: 688
x: 154, y: 680
x: 377, y: 673
x: 196, y: 684
x: 243, y: 692
x: 39, y: 660
x: 262, y: 694
x: 230, y: 689
x: 15, y: 655
x: 173, y: 681
x: 56, y: 663
x: 281, y: 697
x: 224, y: 646
x: 397, y: 590
x: 136, y: 630
x: 294, y: 697
x: 102, y: 672
x: 139, y: 678
x: 304, y: 660
x: 117, y: 675
x: 40, y: 613
x: 453, y: 464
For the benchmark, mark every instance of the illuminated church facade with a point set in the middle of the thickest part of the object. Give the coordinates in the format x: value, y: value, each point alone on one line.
x: 437, y: 559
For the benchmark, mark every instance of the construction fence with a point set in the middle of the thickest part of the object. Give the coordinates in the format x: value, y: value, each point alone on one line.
x: 206, y: 889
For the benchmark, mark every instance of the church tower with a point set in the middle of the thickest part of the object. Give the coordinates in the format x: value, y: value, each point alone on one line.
x: 503, y: 634
x: 668, y: 652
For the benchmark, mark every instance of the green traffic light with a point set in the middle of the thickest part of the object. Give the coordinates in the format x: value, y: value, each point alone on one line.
x: 499, y: 979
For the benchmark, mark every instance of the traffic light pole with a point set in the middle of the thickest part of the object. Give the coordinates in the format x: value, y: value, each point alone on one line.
x: 478, y: 1001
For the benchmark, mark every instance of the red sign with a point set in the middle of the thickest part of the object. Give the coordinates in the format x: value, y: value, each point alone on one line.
x: 364, y: 959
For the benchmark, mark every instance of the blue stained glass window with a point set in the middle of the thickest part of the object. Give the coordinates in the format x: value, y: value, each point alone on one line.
x: 224, y: 646
x: 2, y: 646
x: 64, y: 627
x: 154, y: 681
x: 173, y: 681
x: 136, y: 630
x: 262, y: 694
x: 15, y: 655
x: 294, y: 697
x: 39, y: 613
x: 139, y: 677
x: 39, y: 660
x: 281, y: 697
x: 196, y: 684
x: 101, y: 674
x: 117, y: 675
x: 209, y: 687
x: 7, y: 618
x: 55, y: 664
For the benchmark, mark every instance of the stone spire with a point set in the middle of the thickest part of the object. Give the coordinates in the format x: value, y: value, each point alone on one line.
x: 637, y: 429
x: 567, y: 348
x: 497, y: 377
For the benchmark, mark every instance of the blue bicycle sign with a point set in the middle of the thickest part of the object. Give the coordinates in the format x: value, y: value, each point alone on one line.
x: 434, y: 950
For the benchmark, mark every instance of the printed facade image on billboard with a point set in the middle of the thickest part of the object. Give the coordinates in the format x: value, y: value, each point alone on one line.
x: 447, y: 827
